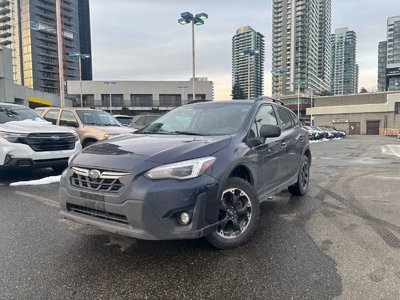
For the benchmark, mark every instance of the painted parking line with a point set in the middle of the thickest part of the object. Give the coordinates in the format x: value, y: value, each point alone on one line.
x: 391, y: 150
x: 39, y: 199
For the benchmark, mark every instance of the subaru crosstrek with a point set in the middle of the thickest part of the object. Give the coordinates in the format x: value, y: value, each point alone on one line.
x: 200, y: 170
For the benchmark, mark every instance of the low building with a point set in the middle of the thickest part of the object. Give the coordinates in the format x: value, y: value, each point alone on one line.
x: 298, y: 103
x: 367, y: 113
x: 15, y: 93
x: 139, y: 96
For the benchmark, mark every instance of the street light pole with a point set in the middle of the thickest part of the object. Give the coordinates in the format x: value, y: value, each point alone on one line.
x: 248, y: 77
x: 110, y: 83
x: 198, y: 19
x: 60, y: 53
x: 80, y: 77
x: 80, y: 57
x: 298, y: 101
x: 193, y: 63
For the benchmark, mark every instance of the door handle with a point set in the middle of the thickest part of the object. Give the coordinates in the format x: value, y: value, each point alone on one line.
x: 283, y: 144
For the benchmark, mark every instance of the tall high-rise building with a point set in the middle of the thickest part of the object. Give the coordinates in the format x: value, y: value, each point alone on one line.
x: 343, y: 62
x: 85, y: 38
x: 301, y: 46
x: 393, y: 54
x: 248, y: 62
x: 29, y: 29
x: 382, y: 62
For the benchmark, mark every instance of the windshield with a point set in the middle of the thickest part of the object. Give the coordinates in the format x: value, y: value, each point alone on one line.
x: 17, y: 114
x: 97, y: 118
x: 201, y: 119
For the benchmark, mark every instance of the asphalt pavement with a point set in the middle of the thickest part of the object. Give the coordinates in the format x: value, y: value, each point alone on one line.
x: 341, y: 240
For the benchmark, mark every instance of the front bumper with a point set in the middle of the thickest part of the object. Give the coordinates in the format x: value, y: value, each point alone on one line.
x: 146, y: 209
x: 17, y: 155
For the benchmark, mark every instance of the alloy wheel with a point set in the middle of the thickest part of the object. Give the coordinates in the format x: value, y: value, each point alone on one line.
x: 235, y: 213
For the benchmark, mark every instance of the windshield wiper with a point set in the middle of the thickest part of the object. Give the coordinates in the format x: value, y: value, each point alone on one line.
x: 187, y: 133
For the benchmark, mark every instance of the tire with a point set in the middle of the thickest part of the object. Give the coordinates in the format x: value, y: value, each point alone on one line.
x: 303, y: 179
x: 238, y: 216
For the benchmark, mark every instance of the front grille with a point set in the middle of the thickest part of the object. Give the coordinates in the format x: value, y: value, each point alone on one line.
x: 97, y: 213
x: 40, y: 142
x: 107, y: 181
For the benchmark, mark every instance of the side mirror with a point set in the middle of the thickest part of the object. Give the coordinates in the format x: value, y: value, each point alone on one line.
x: 270, y: 131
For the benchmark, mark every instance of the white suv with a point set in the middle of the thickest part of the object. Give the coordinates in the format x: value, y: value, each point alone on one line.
x: 28, y: 141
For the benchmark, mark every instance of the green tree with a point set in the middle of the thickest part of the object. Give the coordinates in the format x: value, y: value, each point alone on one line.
x: 125, y: 111
x: 237, y: 92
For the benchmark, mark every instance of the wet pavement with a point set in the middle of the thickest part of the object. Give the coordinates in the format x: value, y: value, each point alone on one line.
x: 341, y: 240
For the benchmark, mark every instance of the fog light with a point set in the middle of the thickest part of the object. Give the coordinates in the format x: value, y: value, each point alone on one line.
x: 184, y: 218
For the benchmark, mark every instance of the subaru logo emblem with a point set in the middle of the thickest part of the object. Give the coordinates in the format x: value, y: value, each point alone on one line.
x: 55, y: 137
x: 94, y: 174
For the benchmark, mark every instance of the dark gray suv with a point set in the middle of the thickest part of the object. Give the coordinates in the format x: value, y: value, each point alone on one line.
x: 201, y: 170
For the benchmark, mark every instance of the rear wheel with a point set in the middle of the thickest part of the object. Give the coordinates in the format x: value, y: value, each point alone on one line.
x: 238, y: 215
x: 301, y: 186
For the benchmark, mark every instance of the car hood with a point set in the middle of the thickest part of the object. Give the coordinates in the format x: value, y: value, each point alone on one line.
x: 127, y: 152
x: 30, y: 126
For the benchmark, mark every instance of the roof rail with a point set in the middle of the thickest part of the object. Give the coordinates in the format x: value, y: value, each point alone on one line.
x: 265, y: 98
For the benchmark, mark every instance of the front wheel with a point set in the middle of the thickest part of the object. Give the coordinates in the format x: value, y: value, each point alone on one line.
x: 301, y: 186
x: 237, y: 216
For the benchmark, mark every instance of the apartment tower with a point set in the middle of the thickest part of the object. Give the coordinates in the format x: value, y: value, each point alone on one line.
x: 382, y: 62
x: 393, y: 54
x: 248, y: 62
x: 28, y: 28
x: 301, y: 46
x: 344, y: 70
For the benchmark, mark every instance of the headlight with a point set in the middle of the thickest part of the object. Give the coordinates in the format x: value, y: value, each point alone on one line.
x: 12, y: 137
x: 182, y: 170
x: 76, y: 136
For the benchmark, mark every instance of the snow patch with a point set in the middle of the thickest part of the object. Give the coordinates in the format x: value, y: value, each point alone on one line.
x: 37, y: 121
x: 46, y: 180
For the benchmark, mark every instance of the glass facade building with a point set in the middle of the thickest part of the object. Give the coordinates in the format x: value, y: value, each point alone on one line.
x: 344, y: 70
x: 382, y: 62
x: 301, y: 46
x: 28, y: 27
x: 242, y: 61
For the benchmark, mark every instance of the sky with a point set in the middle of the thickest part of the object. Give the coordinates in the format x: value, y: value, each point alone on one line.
x: 142, y: 40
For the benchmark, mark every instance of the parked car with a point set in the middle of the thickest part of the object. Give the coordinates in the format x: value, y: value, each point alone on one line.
x: 323, y: 133
x: 124, y: 120
x: 312, y: 133
x: 200, y: 170
x: 141, y: 121
x: 28, y: 141
x: 92, y: 125
x: 340, y: 133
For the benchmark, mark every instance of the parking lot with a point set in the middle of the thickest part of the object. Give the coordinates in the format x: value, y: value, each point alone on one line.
x: 341, y: 240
